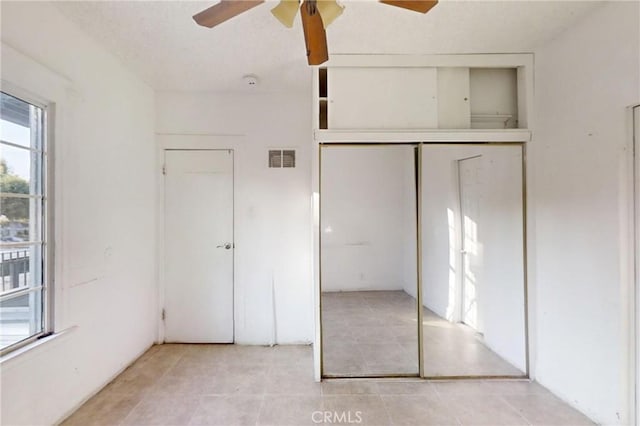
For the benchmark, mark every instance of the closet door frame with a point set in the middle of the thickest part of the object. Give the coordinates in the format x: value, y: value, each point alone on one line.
x: 417, y: 155
x: 317, y: 241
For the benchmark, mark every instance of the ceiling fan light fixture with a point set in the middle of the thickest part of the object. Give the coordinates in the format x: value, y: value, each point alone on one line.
x: 286, y: 12
x: 329, y: 11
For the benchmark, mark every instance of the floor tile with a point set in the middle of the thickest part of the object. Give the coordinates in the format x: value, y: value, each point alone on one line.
x: 397, y: 387
x: 291, y: 383
x: 106, y: 408
x: 190, y: 367
x: 349, y: 409
x: 178, y: 385
x: 236, y: 381
x: 162, y: 410
x: 488, y: 410
x: 229, y: 410
x: 275, y: 386
x: 349, y: 387
x: 134, y: 381
x: 513, y: 387
x: 546, y: 410
x: 418, y: 410
x: 460, y: 387
x: 296, y: 410
x: 361, y: 319
x: 299, y: 355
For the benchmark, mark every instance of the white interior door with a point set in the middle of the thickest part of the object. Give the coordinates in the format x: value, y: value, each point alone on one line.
x: 470, y: 181
x: 198, y: 262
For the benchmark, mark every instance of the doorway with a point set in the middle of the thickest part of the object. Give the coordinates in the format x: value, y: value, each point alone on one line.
x: 198, y: 246
x: 469, y: 189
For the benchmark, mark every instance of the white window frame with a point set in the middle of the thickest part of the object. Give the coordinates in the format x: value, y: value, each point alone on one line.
x: 31, y: 80
x: 46, y: 221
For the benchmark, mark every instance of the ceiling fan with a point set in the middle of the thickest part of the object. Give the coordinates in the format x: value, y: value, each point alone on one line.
x: 316, y: 15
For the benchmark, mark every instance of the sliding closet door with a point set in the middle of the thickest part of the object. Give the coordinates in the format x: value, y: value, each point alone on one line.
x: 368, y: 261
x: 473, y: 261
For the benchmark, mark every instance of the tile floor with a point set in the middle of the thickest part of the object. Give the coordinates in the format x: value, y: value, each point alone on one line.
x: 369, y: 333
x: 253, y: 385
x: 454, y: 349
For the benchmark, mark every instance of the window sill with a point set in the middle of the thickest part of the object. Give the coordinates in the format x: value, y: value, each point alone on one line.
x: 34, y: 347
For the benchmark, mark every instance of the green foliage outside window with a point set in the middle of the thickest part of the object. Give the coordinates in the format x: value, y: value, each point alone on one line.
x: 14, y: 209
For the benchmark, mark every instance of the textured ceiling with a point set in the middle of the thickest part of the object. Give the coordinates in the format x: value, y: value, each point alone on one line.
x: 161, y: 43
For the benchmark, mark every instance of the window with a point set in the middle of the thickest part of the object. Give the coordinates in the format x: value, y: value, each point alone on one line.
x: 24, y: 290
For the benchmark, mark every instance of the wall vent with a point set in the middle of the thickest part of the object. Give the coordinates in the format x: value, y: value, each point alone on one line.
x: 282, y: 158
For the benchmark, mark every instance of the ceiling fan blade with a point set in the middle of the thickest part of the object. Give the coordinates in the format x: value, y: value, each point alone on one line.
x: 224, y: 11
x: 315, y: 36
x: 422, y: 6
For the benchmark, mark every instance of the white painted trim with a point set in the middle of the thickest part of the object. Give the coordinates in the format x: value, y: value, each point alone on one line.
x: 159, y: 293
x: 636, y: 302
x: 23, y: 353
x: 482, y: 60
x: 315, y: 235
x: 525, y: 94
x: 633, y: 267
x: 190, y: 141
x: 25, y: 77
x: 529, y: 258
x: 315, y: 95
x: 433, y: 135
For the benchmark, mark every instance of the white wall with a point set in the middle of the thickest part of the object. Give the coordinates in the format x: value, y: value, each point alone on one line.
x: 500, y: 275
x: 440, y: 230
x: 365, y: 216
x: 105, y: 217
x: 272, y: 206
x: 584, y: 80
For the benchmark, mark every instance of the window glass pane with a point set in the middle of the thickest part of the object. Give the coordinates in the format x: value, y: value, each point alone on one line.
x: 19, y: 219
x: 20, y: 267
x: 22, y: 207
x: 15, y: 170
x: 15, y: 120
x: 20, y: 317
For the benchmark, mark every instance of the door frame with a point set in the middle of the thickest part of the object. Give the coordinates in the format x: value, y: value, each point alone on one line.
x: 461, y: 240
x: 318, y: 353
x: 190, y: 142
x: 633, y: 260
x: 522, y: 145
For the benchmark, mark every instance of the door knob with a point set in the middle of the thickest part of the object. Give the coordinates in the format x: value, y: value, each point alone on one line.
x: 226, y: 246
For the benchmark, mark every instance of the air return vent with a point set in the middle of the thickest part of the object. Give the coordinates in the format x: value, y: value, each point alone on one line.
x: 282, y: 158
